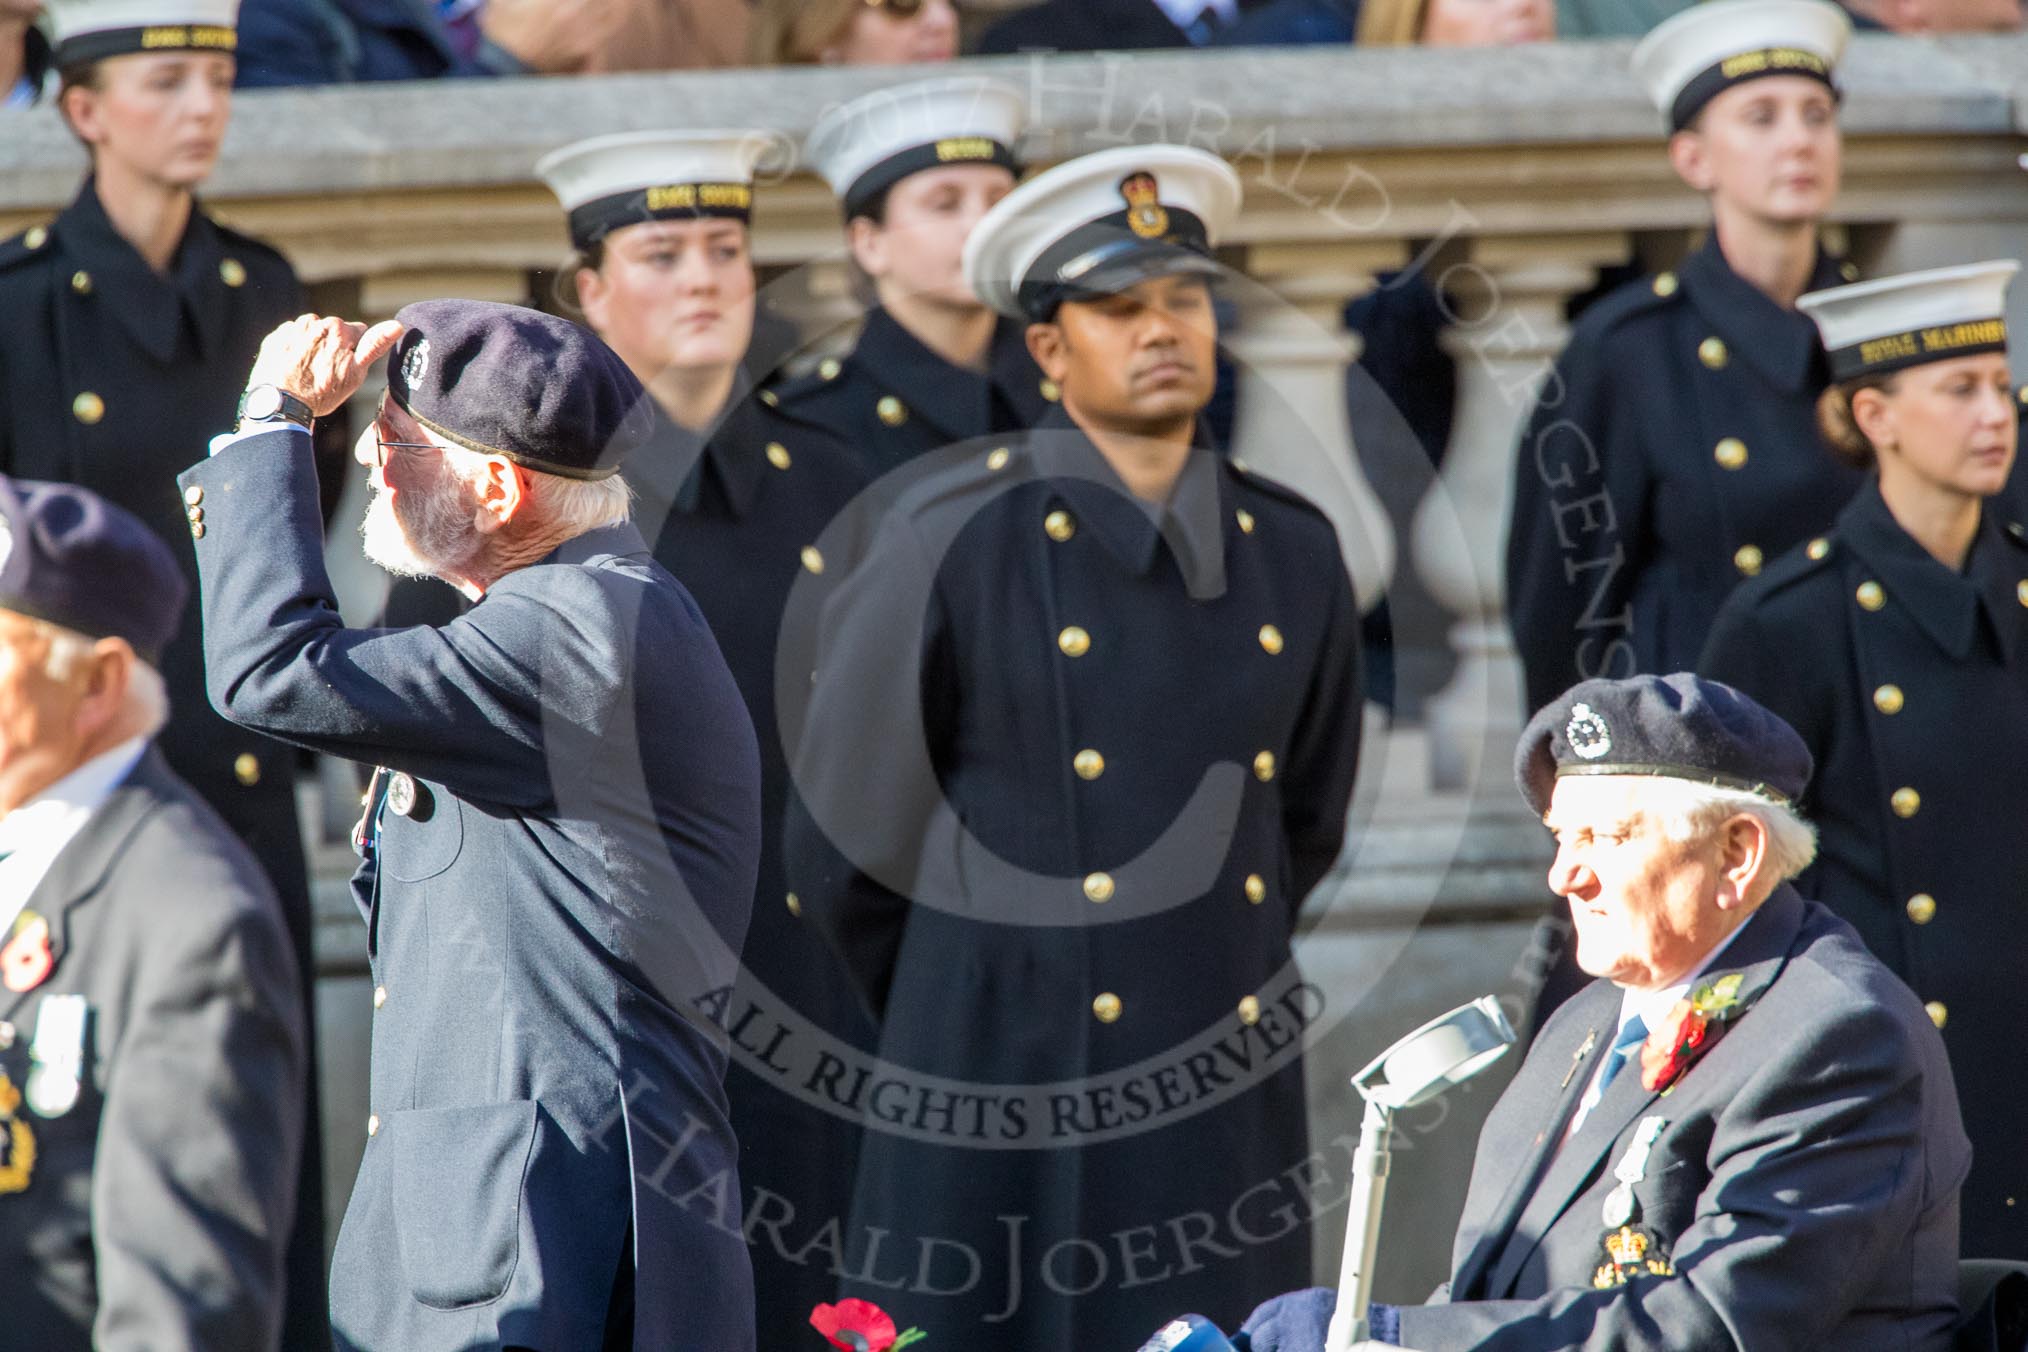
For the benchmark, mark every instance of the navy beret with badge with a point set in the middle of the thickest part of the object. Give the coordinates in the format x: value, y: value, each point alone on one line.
x: 69, y: 557
x: 1679, y: 726
x: 532, y: 388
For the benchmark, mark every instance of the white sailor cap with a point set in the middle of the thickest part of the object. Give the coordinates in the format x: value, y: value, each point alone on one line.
x: 1878, y: 327
x: 865, y: 147
x: 82, y: 31
x: 1098, y: 224
x: 611, y: 181
x: 1693, y: 56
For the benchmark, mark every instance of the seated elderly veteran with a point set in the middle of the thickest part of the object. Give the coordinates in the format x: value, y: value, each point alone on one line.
x: 151, y: 1017
x: 559, y: 849
x: 1744, y: 1132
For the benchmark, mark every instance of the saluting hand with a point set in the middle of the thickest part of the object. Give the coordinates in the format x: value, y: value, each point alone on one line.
x: 321, y: 360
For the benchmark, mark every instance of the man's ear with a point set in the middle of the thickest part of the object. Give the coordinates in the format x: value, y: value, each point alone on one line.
x: 109, y: 672
x: 1690, y: 157
x: 502, y: 488
x: 1743, y: 848
x: 1050, y: 349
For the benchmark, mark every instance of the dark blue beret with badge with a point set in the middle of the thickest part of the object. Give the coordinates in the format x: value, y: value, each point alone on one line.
x: 504, y: 380
x: 1677, y: 727
x: 69, y: 557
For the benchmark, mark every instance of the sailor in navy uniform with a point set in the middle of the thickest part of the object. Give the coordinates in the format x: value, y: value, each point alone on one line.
x: 1897, y: 644
x: 1673, y: 452
x: 733, y: 493
x: 1081, y: 739
x: 914, y: 169
x: 131, y: 320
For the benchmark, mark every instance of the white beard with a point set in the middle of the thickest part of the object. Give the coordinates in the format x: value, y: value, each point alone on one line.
x: 432, y: 535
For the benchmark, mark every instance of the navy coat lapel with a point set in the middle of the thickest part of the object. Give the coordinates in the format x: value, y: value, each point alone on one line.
x: 1758, y: 955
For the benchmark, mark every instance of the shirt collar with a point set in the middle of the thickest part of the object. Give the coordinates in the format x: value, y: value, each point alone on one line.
x: 1190, y: 523
x: 1783, y: 344
x: 34, y: 834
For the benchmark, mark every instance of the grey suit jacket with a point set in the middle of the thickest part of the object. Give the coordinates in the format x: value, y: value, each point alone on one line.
x: 1804, y: 1187
x: 155, y: 1209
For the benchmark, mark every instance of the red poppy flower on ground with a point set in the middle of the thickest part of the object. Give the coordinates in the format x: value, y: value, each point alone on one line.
x: 860, y: 1326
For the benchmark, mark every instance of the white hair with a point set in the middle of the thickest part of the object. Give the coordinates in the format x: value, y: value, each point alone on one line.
x: 147, y: 701
x: 1687, y: 811
x: 572, y: 506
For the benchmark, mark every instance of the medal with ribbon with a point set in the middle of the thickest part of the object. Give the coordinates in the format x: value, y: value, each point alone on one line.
x: 1628, y: 1248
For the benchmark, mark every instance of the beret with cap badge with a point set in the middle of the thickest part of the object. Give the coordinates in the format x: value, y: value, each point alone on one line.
x: 71, y: 558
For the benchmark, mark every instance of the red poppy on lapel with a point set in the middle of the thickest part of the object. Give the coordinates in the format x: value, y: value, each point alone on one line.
x: 1692, y: 1025
x: 25, y: 962
x: 860, y: 1326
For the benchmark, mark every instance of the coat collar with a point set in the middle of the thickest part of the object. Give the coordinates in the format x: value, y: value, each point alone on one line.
x: 1191, y: 523
x: 1943, y: 604
x: 955, y: 403
x: 79, y: 871
x: 1782, y: 344
x: 149, y: 306
x: 1758, y: 954
x: 681, y: 469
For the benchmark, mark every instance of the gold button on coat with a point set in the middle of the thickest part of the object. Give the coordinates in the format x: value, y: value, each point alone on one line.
x: 246, y: 767
x: 795, y: 906
x: 1888, y: 699
x: 1256, y: 888
x: 1922, y: 908
x: 1818, y: 548
x: 1074, y: 642
x: 813, y: 559
x: 1089, y: 764
x: 1264, y: 766
x: 194, y: 514
x: 1870, y: 595
x: 1713, y: 353
x: 81, y: 282
x: 828, y: 369
x: 1249, y: 1010
x: 1059, y: 526
x: 1050, y: 390
x: 1938, y: 1014
x: 1748, y: 560
x: 373, y: 1125
x: 1665, y: 284
x: 1906, y: 802
x: 197, y: 530
x: 88, y: 408
x: 1107, y: 1008
x: 997, y: 460
x: 193, y: 495
x: 1245, y: 519
x: 2021, y: 592
x: 1730, y: 453
x: 379, y: 996
x: 36, y: 237
x: 232, y: 272
x: 1271, y: 639
x: 1098, y: 888
x: 891, y: 410
x: 1849, y: 270
x: 770, y: 398
x: 778, y: 455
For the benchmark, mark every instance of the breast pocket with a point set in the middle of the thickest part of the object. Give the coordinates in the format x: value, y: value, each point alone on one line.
x: 424, y: 842
x: 457, y: 1177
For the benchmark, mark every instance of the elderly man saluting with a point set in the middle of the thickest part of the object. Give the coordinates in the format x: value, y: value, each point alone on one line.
x: 558, y: 850
x: 1744, y: 1134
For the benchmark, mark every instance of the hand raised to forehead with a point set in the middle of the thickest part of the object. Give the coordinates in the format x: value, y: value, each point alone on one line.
x: 322, y: 360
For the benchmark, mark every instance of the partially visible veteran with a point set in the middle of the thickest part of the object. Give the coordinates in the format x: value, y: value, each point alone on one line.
x: 558, y: 853
x: 151, y: 1014
x: 1743, y: 1133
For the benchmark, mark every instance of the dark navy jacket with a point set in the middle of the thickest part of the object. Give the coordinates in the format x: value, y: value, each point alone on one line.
x: 1135, y: 749
x: 1909, y: 681
x: 1673, y: 452
x: 314, y: 42
x: 892, y: 398
x: 558, y: 890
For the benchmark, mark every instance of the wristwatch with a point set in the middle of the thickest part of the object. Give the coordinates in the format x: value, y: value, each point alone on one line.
x: 273, y: 404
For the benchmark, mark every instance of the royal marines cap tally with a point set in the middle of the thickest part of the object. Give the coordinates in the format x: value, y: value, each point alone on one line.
x: 1098, y: 224
x: 865, y: 147
x: 83, y: 31
x: 1878, y: 327
x: 1673, y: 727
x: 71, y: 558
x: 613, y: 181
x: 532, y: 388
x: 1695, y: 55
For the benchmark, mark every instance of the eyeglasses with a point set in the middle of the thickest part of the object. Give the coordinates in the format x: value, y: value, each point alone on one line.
x: 380, y: 421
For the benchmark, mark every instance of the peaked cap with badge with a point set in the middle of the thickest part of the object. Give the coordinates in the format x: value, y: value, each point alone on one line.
x: 1675, y: 450
x: 152, y: 1050
x: 1908, y: 680
x: 892, y: 398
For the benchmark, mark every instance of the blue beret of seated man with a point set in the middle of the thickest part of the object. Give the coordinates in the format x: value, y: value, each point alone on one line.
x: 557, y: 858
x: 1743, y: 1133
